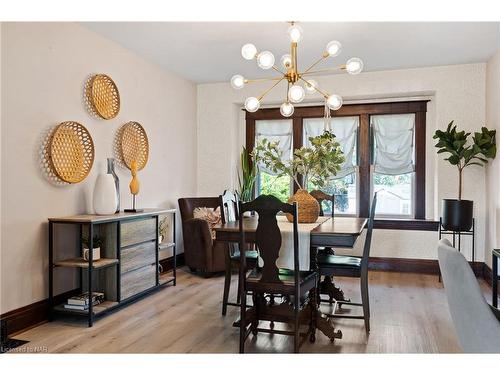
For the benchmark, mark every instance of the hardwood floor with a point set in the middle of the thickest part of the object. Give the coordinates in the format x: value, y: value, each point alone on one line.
x: 409, y: 315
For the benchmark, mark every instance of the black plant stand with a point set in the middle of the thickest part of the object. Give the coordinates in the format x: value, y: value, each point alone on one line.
x: 471, y: 232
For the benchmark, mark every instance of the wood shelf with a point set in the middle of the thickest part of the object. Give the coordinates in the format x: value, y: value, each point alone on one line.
x: 166, y: 278
x: 82, y: 263
x: 166, y: 245
x: 96, y: 310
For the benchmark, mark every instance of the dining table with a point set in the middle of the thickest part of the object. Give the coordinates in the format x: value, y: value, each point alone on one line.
x: 337, y: 232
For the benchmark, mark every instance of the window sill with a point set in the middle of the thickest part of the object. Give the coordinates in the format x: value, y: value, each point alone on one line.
x: 407, y: 224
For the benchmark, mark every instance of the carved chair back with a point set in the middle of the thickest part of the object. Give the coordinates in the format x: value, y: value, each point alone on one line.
x: 321, y: 196
x: 268, y: 236
x: 229, y: 206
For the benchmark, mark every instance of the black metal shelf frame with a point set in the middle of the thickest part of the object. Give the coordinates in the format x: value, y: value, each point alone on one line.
x: 90, y: 312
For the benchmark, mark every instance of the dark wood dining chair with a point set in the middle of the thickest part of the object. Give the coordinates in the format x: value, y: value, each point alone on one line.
x: 351, y: 266
x: 229, y: 212
x: 299, y: 287
x: 321, y: 196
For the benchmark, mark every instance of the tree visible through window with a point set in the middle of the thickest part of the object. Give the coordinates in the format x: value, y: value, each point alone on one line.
x: 268, y: 184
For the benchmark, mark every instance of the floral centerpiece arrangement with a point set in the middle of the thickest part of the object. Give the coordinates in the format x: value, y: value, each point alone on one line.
x: 316, y: 164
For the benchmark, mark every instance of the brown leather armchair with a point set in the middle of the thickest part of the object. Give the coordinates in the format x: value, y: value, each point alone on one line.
x: 201, y: 253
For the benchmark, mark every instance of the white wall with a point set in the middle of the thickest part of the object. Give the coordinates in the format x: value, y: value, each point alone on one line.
x: 457, y: 93
x: 493, y: 170
x: 44, y: 66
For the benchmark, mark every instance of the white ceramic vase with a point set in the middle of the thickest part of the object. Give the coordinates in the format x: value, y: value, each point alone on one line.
x: 104, y: 198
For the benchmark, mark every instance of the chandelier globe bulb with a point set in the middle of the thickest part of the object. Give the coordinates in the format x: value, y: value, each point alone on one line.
x: 252, y: 104
x: 237, y: 81
x: 265, y: 60
x: 248, y: 51
x: 296, y: 94
x: 311, y: 86
x: 295, y: 33
x: 286, y: 61
x: 333, y: 48
x: 334, y: 102
x: 354, y: 65
x: 287, y: 109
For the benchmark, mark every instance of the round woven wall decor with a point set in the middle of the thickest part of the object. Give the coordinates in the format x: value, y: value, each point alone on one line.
x: 71, y: 152
x: 134, y: 145
x: 103, y: 96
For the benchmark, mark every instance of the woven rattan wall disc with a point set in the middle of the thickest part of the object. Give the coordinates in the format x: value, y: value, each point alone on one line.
x: 134, y: 145
x: 71, y: 152
x: 103, y: 96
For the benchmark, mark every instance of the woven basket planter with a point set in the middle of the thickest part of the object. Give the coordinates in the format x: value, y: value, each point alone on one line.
x: 308, y: 207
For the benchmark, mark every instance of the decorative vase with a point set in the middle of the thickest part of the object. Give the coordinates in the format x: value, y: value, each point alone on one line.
x: 111, y: 171
x: 457, y: 215
x: 308, y: 207
x: 104, y: 198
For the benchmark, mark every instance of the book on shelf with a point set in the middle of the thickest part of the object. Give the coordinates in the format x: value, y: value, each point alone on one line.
x: 83, y: 299
x: 81, y: 307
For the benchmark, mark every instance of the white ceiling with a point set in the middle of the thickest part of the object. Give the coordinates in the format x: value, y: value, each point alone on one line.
x: 210, y: 51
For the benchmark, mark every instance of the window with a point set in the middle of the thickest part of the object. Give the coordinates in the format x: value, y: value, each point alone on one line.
x: 393, y: 163
x: 343, y: 185
x: 385, y: 148
x: 267, y: 181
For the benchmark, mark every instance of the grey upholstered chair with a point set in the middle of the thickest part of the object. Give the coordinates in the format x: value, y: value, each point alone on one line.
x: 475, y: 321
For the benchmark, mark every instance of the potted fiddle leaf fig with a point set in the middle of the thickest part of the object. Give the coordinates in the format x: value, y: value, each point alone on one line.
x: 316, y: 163
x: 457, y: 213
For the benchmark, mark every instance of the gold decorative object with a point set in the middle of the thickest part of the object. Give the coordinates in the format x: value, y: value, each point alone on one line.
x: 298, y: 82
x: 308, y: 207
x: 134, y: 187
x: 102, y: 96
x: 134, y: 145
x: 71, y: 152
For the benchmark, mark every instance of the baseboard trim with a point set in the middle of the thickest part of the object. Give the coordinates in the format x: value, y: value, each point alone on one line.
x: 427, y: 266
x: 29, y: 316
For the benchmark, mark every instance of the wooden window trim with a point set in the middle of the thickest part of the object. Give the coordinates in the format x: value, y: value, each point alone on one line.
x: 364, y: 111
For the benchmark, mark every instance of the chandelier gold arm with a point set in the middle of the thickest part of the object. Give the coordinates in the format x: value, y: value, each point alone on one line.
x: 278, y: 70
x: 269, y: 89
x: 326, y: 95
x: 341, y: 67
x: 325, y: 56
x: 262, y: 79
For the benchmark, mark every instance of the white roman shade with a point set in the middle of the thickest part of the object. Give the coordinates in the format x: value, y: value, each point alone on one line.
x: 393, y: 143
x: 275, y: 131
x: 345, y: 130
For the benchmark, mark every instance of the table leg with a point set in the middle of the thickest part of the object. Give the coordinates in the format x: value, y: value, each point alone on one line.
x: 321, y: 321
x: 328, y: 287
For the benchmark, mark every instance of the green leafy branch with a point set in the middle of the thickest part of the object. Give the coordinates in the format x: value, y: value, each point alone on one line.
x: 316, y: 163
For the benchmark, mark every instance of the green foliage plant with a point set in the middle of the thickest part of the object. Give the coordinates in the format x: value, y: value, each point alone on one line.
x: 462, y: 152
x: 317, y: 163
x: 247, y: 175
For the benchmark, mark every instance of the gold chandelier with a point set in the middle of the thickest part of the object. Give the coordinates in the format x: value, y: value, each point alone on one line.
x: 297, y: 82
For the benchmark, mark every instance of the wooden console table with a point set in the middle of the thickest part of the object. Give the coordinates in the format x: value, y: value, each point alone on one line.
x: 128, y: 267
